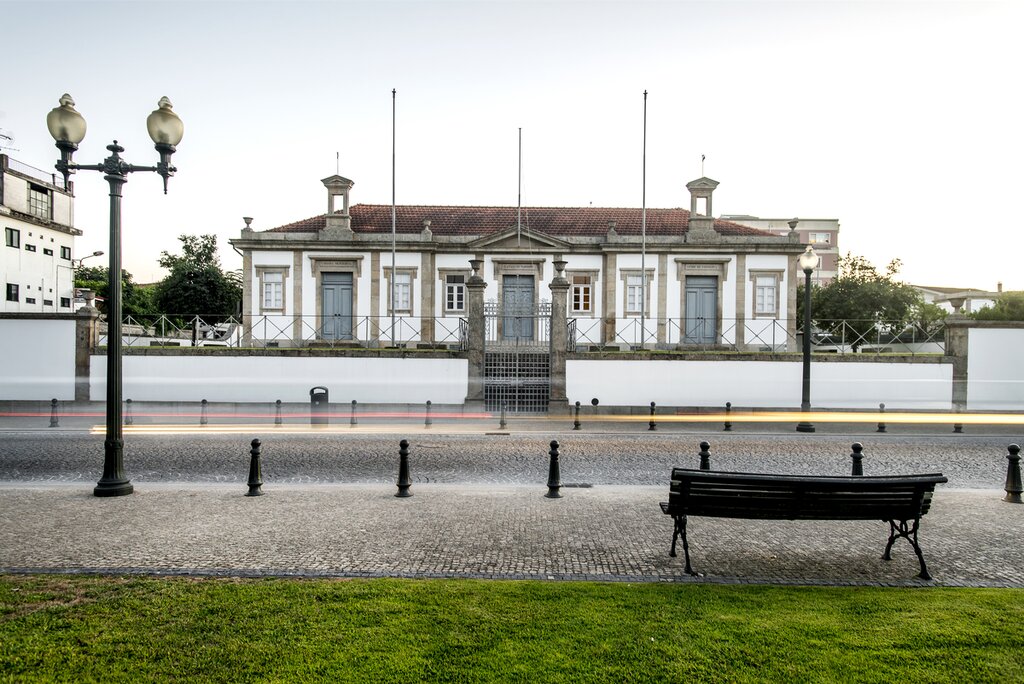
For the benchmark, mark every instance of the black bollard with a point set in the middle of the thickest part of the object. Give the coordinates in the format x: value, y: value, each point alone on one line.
x: 728, y: 411
x: 881, y: 423
x: 203, y: 420
x: 858, y: 458
x: 426, y: 421
x: 53, y: 414
x: 503, y: 424
x: 705, y: 456
x: 404, y: 481
x: 576, y: 423
x: 652, y: 425
x: 958, y: 428
x: 554, y: 474
x: 352, y: 422
x: 1013, y: 484
x: 128, y: 420
x: 277, y: 412
x: 255, y: 471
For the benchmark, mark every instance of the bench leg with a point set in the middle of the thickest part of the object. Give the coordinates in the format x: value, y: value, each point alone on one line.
x: 908, y: 532
x: 680, y: 531
x: 686, y: 547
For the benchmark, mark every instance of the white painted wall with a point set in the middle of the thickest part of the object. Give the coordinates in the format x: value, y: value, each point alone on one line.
x: 267, y: 378
x: 39, y: 359
x: 995, y: 369
x: 759, y: 384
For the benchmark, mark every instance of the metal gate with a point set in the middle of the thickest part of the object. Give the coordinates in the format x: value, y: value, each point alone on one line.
x: 517, y: 358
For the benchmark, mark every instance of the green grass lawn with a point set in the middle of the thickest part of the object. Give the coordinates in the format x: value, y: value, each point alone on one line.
x: 79, y: 628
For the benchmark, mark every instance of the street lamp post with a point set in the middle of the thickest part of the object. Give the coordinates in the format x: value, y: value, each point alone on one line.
x: 808, y: 262
x: 77, y: 263
x: 67, y: 127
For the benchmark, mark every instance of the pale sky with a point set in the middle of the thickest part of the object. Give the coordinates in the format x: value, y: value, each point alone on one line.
x: 902, y: 120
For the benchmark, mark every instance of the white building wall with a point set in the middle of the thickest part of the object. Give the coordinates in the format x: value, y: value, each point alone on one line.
x: 268, y: 378
x: 271, y: 325
x: 763, y: 331
x: 995, y: 369
x: 39, y: 359
x: 759, y: 384
x: 588, y: 325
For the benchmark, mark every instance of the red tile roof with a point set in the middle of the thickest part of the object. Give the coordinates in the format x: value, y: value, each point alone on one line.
x: 554, y: 221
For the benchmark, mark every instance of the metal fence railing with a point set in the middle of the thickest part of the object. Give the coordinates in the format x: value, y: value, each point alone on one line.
x: 770, y: 335
x: 531, y: 331
x: 293, y: 331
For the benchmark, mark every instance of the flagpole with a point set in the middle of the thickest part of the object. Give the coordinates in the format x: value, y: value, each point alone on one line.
x: 393, y: 240
x: 519, y: 202
x: 643, y: 238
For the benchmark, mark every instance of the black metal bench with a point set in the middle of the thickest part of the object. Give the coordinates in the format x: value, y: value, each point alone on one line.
x: 900, y: 500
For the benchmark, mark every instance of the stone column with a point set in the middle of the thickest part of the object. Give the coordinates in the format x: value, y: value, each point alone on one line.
x: 86, y: 338
x: 477, y: 333
x: 557, y: 402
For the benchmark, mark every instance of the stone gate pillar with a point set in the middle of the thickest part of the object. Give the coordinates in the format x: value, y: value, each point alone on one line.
x: 559, y: 338
x: 477, y: 332
x: 957, y: 331
x: 86, y: 340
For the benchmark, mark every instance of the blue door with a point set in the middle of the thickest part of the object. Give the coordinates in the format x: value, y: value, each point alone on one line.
x: 517, y: 307
x: 337, y: 306
x: 701, y: 310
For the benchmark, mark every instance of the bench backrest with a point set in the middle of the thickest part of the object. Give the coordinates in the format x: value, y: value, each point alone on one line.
x: 800, y: 497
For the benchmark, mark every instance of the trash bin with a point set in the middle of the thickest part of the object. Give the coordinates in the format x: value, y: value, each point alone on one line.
x: 318, y: 403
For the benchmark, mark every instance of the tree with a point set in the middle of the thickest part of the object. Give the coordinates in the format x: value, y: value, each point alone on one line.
x: 136, y: 300
x: 196, y: 284
x: 865, y: 300
x: 1009, y: 306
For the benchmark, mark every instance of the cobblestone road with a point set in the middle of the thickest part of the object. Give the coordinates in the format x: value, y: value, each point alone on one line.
x: 605, y: 459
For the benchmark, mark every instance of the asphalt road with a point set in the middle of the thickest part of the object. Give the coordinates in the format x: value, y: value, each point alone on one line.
x: 639, y: 458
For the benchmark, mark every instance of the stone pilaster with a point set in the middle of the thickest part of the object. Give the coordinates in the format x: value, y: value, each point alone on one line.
x: 609, y: 278
x: 741, y: 301
x: 557, y: 402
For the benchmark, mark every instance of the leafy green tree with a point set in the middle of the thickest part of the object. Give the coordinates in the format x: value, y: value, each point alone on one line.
x: 196, y: 284
x: 865, y: 299
x: 136, y: 300
x: 1009, y: 306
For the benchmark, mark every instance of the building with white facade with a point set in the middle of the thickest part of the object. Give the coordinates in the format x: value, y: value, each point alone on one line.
x: 822, y: 234
x: 39, y: 235
x: 674, y: 279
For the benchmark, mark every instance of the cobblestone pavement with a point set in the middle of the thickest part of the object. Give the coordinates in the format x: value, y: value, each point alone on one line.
x: 616, y: 533
x: 478, y: 509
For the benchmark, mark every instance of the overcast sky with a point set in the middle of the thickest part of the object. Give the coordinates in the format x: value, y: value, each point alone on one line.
x: 902, y: 120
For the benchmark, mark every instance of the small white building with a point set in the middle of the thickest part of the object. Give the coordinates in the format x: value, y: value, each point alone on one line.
x: 36, y: 264
x: 674, y: 279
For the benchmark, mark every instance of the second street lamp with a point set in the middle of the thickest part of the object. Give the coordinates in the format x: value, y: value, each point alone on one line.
x: 68, y: 127
x: 808, y: 262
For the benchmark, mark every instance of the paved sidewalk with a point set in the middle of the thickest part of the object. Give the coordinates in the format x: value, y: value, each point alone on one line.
x: 970, y: 537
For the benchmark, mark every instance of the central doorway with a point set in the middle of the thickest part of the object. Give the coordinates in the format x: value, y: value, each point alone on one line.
x: 337, y: 306
x: 517, y: 292
x: 701, y: 321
